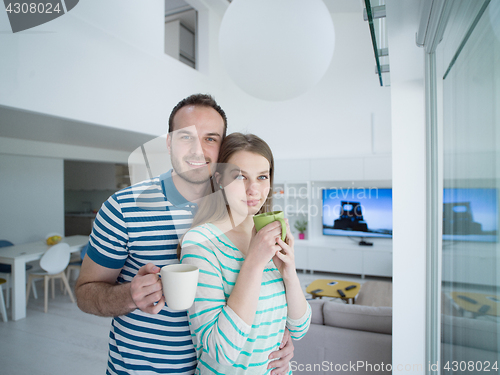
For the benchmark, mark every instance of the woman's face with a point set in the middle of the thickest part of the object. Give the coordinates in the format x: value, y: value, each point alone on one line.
x: 246, y: 182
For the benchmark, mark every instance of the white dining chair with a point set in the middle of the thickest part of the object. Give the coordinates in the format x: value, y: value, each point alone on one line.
x: 2, y: 302
x: 53, y: 264
x: 75, y: 264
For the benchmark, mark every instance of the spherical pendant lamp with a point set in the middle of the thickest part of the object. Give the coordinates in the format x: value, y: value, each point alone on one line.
x: 276, y: 49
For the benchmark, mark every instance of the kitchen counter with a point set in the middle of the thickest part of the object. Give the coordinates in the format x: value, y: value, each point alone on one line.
x: 80, y: 214
x: 78, y: 223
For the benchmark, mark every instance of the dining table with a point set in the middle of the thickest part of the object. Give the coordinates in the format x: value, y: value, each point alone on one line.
x: 18, y: 255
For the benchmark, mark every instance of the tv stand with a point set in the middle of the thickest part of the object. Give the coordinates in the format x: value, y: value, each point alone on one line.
x: 344, y: 257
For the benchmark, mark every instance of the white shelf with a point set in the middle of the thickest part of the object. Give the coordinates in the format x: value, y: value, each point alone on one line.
x: 362, y: 261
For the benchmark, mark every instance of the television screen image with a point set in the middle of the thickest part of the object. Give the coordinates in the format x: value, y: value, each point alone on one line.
x: 470, y: 214
x: 357, y: 212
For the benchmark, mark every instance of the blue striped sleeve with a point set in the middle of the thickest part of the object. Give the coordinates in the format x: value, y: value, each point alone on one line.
x: 109, y: 237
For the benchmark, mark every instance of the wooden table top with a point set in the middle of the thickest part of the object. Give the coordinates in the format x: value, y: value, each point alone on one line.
x: 473, y: 302
x: 329, y: 287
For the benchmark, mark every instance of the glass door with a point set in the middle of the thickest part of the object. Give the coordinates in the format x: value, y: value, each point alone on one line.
x: 469, y: 67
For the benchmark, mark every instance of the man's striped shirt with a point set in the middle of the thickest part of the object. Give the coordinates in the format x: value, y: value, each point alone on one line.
x: 135, y: 226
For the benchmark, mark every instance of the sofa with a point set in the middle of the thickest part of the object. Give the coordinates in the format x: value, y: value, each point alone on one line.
x: 348, y: 338
x: 357, y: 338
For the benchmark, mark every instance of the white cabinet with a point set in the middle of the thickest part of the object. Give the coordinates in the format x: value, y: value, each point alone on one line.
x: 362, y: 262
x: 477, y: 268
x: 377, y: 263
x: 335, y: 260
x: 294, y: 199
x: 301, y: 257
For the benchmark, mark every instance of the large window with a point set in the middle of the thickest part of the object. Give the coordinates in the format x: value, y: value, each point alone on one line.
x: 468, y: 65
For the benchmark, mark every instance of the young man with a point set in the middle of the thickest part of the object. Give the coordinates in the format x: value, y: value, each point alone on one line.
x: 136, y: 232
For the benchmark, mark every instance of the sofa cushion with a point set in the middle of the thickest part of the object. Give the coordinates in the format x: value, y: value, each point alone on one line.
x: 472, y: 333
x: 375, y: 293
x: 465, y: 354
x: 317, y: 311
x: 362, y: 318
x: 330, y: 350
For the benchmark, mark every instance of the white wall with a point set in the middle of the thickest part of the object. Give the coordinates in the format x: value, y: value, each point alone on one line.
x: 139, y: 26
x: 32, y: 197
x: 409, y: 187
x: 172, y: 38
x: 94, y: 64
x: 333, y: 119
x: 13, y: 146
x: 104, y: 64
x: 341, y: 169
x: 409, y: 218
x: 32, y: 185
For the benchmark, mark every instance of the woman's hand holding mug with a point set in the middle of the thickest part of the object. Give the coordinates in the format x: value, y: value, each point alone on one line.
x: 284, y: 260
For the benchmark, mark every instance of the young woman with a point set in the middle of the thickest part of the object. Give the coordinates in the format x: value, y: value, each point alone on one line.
x: 248, y: 289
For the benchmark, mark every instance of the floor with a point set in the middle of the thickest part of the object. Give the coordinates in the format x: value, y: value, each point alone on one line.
x: 68, y: 341
x: 63, y: 341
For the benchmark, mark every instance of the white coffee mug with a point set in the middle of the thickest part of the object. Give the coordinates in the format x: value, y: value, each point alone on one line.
x: 179, y: 282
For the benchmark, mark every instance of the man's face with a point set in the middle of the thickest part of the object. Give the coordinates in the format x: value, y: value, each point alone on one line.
x: 194, y: 144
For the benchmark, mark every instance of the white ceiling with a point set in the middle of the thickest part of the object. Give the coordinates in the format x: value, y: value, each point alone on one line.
x: 39, y: 127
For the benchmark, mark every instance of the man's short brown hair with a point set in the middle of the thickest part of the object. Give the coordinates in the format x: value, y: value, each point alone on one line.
x: 204, y: 100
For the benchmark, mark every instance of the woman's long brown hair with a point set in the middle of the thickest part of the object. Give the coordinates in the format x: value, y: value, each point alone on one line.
x: 214, y: 206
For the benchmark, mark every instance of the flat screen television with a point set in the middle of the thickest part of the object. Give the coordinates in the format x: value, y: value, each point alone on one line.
x: 357, y: 212
x: 470, y: 214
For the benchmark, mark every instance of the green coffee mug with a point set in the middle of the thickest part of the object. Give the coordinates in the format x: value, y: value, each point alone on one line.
x: 268, y: 217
